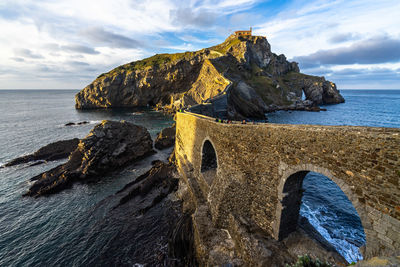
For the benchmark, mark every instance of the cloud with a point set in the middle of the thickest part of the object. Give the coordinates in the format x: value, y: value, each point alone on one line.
x: 382, y: 74
x: 74, y: 48
x: 26, y: 53
x: 102, y: 37
x: 344, y: 37
x: 80, y: 49
x: 18, y: 59
x: 120, y: 31
x: 372, y: 51
x: 77, y: 63
x: 187, y: 17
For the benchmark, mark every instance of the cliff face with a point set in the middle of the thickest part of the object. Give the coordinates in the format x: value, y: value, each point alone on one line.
x: 254, y: 80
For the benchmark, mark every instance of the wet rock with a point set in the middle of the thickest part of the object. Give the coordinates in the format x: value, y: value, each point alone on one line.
x: 37, y: 163
x: 160, y: 178
x: 69, y: 124
x: 109, y: 146
x: 82, y: 122
x: 140, y: 218
x: 166, y: 138
x: 181, y: 242
x: 50, y: 152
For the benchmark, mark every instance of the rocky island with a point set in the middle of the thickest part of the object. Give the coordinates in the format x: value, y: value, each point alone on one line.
x: 109, y: 146
x: 239, y: 78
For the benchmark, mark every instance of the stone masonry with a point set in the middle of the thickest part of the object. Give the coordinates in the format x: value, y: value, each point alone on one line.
x: 256, y: 176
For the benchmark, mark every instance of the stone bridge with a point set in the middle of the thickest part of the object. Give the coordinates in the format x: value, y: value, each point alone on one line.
x: 254, y: 173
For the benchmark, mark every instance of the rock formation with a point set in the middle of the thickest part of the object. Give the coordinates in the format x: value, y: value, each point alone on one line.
x: 109, y: 146
x: 243, y: 69
x: 161, y: 178
x: 139, y: 221
x: 53, y: 151
x: 165, y: 138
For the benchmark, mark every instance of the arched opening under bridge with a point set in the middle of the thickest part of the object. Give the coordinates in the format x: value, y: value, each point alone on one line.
x: 313, y: 199
x: 209, y: 162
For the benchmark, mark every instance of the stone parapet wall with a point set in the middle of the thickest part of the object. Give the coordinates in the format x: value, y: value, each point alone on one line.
x: 257, y: 165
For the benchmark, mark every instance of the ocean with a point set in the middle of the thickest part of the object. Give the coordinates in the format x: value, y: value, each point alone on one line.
x: 67, y: 228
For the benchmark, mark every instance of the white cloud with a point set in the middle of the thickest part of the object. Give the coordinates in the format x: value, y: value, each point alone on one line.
x: 302, y: 31
x: 305, y: 28
x: 38, y: 37
x: 67, y: 43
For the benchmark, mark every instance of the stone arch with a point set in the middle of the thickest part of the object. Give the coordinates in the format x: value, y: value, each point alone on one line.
x: 290, y: 194
x: 209, y: 161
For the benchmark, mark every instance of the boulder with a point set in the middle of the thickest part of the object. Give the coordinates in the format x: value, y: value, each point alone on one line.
x: 166, y: 138
x: 109, y: 146
x: 53, y: 151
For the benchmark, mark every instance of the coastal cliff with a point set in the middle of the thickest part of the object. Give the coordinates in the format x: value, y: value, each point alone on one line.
x: 252, y: 79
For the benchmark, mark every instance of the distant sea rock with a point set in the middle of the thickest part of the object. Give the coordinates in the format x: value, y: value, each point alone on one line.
x: 78, y: 123
x: 109, y: 146
x: 243, y: 69
x: 53, y: 151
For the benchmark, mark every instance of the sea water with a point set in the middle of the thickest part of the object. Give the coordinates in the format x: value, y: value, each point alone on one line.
x: 60, y: 229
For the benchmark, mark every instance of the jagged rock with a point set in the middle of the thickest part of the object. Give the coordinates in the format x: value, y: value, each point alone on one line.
x: 247, y: 102
x: 175, y: 81
x: 109, y: 146
x: 53, y: 151
x: 144, y: 213
x: 316, y: 89
x: 165, y: 138
x: 160, y: 178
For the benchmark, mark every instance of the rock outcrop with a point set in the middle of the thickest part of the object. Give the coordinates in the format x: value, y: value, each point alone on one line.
x: 242, y: 68
x: 162, y: 178
x: 165, y: 138
x: 109, y: 146
x: 50, y: 152
x: 140, y: 218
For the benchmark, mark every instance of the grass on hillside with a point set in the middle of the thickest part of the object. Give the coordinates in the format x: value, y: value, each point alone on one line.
x: 157, y: 60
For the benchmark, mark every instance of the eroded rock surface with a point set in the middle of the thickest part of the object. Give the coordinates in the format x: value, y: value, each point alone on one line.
x: 53, y: 151
x: 137, y: 223
x: 166, y: 138
x: 109, y: 146
x: 243, y: 69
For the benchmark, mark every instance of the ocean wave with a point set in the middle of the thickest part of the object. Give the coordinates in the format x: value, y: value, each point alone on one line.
x: 344, y: 239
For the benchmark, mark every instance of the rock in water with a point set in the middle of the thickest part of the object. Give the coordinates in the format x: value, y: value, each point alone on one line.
x: 241, y: 73
x: 161, y: 178
x: 109, y: 146
x: 53, y: 151
x: 166, y: 138
x: 139, y: 218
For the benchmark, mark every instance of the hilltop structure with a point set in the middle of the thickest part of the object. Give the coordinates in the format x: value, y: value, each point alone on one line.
x: 243, y: 33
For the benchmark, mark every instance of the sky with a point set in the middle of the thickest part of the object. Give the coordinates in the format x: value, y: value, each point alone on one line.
x: 66, y: 44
